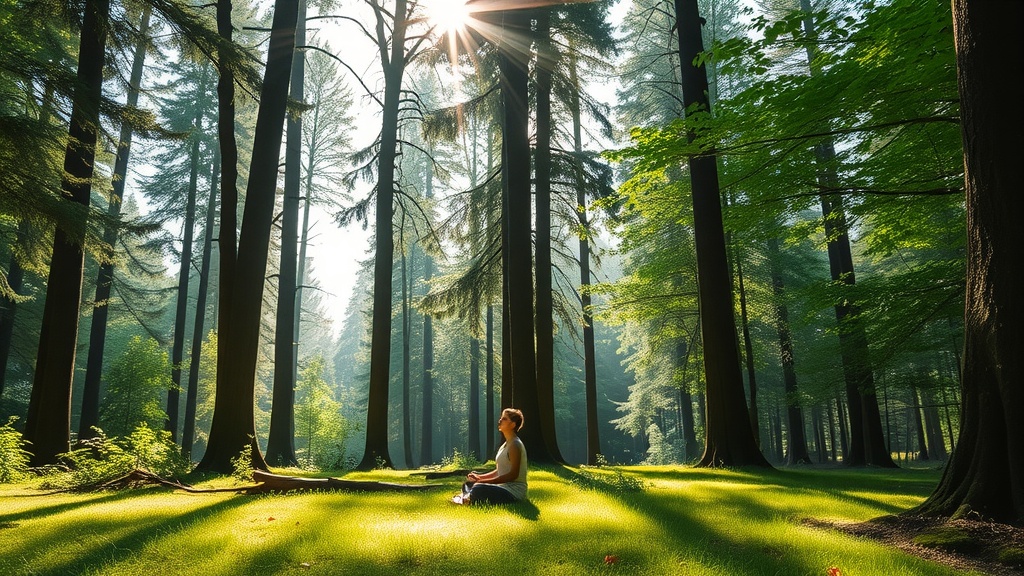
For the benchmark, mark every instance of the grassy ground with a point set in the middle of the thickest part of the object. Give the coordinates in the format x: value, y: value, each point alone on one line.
x: 683, y: 521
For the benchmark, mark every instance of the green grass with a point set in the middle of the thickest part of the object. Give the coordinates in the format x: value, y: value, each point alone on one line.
x: 684, y: 521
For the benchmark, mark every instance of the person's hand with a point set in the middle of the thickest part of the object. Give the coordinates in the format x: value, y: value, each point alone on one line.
x: 472, y: 476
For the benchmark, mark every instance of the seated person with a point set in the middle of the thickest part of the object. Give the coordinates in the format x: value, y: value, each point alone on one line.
x: 507, y: 482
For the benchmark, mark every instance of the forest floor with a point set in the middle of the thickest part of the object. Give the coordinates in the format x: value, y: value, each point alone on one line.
x: 963, y: 544
x: 638, y: 520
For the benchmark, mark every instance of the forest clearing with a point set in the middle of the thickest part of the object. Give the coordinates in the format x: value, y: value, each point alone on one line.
x: 717, y: 287
x: 634, y: 520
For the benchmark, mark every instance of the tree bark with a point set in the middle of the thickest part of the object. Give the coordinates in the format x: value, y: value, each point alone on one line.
x: 48, y: 425
x: 985, y: 474
x: 188, y: 432
x: 748, y: 352
x: 542, y: 184
x: 797, y: 452
x: 8, y: 307
x: 184, y: 272
x: 729, y: 441
x: 589, y: 359
x: 90, y: 415
x: 281, y: 437
x: 518, y: 246
x: 393, y: 63
x: 867, y: 440
x: 233, y: 424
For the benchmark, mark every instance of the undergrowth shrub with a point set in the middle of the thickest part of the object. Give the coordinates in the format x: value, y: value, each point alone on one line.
x: 13, y: 456
x: 241, y: 465
x: 460, y: 461
x: 100, y: 459
x: 617, y: 482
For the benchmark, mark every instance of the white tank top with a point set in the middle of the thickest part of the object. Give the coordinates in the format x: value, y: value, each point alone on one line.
x: 503, y: 464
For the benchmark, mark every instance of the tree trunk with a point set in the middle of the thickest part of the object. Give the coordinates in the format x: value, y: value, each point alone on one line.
x: 8, y: 307
x: 729, y: 440
x: 922, y: 443
x: 489, y: 433
x: 518, y: 245
x: 589, y: 358
x: 48, y: 425
x: 748, y: 353
x: 184, y: 272
x: 797, y: 453
x: 90, y: 415
x: 406, y: 356
x: 867, y: 441
x: 985, y: 474
x: 233, y: 424
x: 427, y: 420
x: 933, y: 426
x: 188, y: 433
x: 281, y: 437
x: 393, y: 63
x: 542, y: 181
x: 690, y: 449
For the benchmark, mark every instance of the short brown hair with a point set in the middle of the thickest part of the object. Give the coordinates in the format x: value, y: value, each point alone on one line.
x: 515, y: 416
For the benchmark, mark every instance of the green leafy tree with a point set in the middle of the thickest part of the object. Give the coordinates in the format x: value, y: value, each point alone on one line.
x: 319, y: 424
x: 134, y: 384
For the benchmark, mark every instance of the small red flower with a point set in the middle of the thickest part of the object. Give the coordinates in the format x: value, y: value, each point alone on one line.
x: 833, y: 571
x: 611, y: 559
x: 271, y: 519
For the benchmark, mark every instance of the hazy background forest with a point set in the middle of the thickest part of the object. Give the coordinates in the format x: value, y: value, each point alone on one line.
x: 836, y: 129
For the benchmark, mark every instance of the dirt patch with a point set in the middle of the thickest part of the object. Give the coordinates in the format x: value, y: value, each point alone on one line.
x: 964, y: 544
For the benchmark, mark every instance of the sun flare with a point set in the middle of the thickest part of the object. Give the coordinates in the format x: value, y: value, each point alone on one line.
x: 448, y: 15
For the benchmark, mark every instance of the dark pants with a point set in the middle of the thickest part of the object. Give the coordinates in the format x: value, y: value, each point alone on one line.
x: 489, y: 493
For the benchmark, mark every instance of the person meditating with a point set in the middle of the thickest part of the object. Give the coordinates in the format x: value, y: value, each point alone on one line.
x: 507, y: 482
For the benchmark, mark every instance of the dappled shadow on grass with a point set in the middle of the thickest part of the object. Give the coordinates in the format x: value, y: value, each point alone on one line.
x: 97, y: 549
x: 682, y: 521
x: 757, y: 508
x: 80, y: 501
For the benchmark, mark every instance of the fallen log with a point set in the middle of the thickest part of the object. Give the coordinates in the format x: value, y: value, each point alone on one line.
x: 268, y: 482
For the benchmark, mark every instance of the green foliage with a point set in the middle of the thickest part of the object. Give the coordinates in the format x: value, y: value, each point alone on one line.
x: 135, y: 383
x: 94, y: 461
x: 241, y: 465
x: 660, y: 451
x: 319, y: 422
x: 155, y: 451
x: 104, y: 458
x: 597, y: 477
x: 13, y: 456
x: 460, y: 461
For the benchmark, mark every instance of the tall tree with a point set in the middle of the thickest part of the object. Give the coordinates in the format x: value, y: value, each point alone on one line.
x: 729, y: 441
x: 542, y: 178
x: 517, y: 245
x: 392, y: 52
x: 48, y: 425
x: 188, y: 430
x: 233, y: 425
x: 867, y: 444
x: 105, y: 278
x: 985, y: 475
x: 589, y: 361
x: 185, y: 268
x: 797, y: 448
x: 281, y: 438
